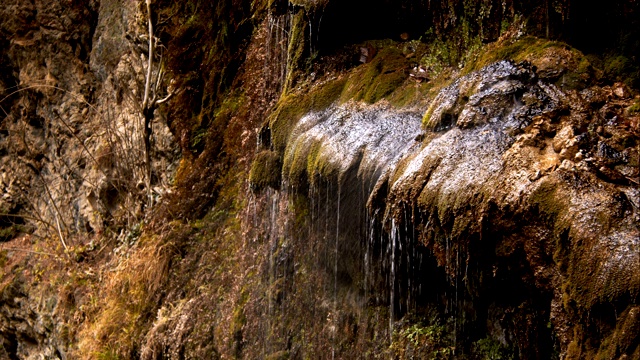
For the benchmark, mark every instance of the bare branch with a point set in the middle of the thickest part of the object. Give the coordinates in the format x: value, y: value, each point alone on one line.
x: 165, y: 99
x: 26, y: 217
x: 147, y: 86
x: 27, y: 251
x: 56, y: 213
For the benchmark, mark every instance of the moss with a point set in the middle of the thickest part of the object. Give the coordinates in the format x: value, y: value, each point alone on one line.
x: 614, y: 66
x: 296, y: 166
x: 3, y: 259
x: 624, y: 338
x: 326, y: 94
x: 574, y: 350
x: 634, y: 109
x: 578, y: 78
x: 423, y: 341
x: 411, y: 93
x: 266, y: 171
x: 548, y: 201
x: 295, y: 49
x: 426, y: 118
x: 491, y: 349
x: 384, y: 85
x: 198, y: 140
x: 618, y: 68
x: 500, y: 51
x: 306, y: 164
x: 292, y: 107
x: 555, y: 60
x: 370, y: 82
x: 299, y: 206
x: 238, y: 322
x: 289, y: 110
x: 107, y: 355
x: 314, y: 162
x: 379, y: 78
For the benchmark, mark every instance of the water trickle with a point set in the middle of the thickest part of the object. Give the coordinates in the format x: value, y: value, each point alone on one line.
x: 372, y: 138
x: 277, y: 54
x: 273, y: 197
x: 368, y: 254
x: 392, y: 279
x: 335, y: 275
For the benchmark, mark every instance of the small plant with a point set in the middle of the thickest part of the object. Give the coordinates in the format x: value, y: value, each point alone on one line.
x: 634, y: 109
x: 491, y: 349
x: 420, y: 341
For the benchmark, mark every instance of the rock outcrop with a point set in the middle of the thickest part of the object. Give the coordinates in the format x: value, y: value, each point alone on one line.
x: 330, y: 179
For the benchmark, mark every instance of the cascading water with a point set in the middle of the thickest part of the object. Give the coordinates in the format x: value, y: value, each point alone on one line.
x: 277, y: 54
x: 393, y: 243
x: 337, y: 240
x: 390, y: 222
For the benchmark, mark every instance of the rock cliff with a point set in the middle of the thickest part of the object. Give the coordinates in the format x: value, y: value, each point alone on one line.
x: 322, y: 179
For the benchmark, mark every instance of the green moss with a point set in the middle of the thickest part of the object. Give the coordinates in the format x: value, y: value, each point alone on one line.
x: 314, y: 163
x: 634, y: 109
x: 369, y: 82
x: 620, y: 68
x: 3, y: 259
x: 574, y: 350
x: 551, y: 207
x: 299, y: 206
x: 547, y: 200
x: 295, y: 49
x: 491, y: 349
x: 410, y: 93
x: 384, y: 77
x: 326, y: 94
x: 615, y: 66
x: 289, y: 110
x: 292, y: 107
x: 266, y: 171
x: 306, y: 164
x: 498, y: 51
x: 384, y: 85
x: 239, y: 319
x: 376, y: 80
x: 422, y: 341
x: 578, y: 77
x: 426, y: 118
x: 295, y: 166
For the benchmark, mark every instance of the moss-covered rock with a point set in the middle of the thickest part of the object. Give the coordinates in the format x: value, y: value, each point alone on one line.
x: 296, y: 49
x: 378, y: 78
x: 554, y: 61
x: 369, y: 82
x: 266, y: 171
x: 292, y: 107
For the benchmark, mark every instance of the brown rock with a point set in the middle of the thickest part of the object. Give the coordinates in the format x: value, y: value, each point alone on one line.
x: 621, y: 90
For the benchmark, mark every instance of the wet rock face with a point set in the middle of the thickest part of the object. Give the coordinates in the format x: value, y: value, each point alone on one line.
x: 367, y: 138
x: 516, y: 185
x: 517, y: 167
x: 508, y: 218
